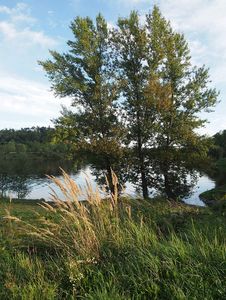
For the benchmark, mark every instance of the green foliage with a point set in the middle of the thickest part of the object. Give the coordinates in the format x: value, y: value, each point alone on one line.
x: 218, y: 148
x: 85, y: 74
x: 136, y: 101
x: 30, y: 143
x: 216, y: 198
x: 217, y: 151
x: 163, y: 95
x: 130, y: 41
x: 26, y: 135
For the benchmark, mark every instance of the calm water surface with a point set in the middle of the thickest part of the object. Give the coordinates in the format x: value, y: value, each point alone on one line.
x: 40, y: 188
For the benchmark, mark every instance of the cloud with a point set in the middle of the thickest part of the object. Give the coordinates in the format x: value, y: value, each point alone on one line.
x: 19, y: 13
x: 5, y: 9
x: 134, y: 1
x: 24, y: 102
x: 27, y: 101
x: 18, y: 27
x: 126, y: 4
x: 193, y: 15
x: 25, y: 36
x: 204, y: 26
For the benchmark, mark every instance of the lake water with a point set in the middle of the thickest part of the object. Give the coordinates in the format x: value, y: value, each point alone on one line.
x: 40, y: 187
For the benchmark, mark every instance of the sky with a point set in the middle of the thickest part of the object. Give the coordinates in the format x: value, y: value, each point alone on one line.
x: 30, y: 28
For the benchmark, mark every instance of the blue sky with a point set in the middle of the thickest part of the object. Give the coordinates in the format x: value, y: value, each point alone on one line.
x: 29, y: 28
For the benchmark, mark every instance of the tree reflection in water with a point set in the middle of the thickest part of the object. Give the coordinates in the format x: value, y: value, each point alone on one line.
x: 18, y: 175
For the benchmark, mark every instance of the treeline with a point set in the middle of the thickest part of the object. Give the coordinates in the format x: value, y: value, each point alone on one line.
x: 26, y: 135
x: 217, y: 152
x: 218, y: 149
x: 136, y: 101
x: 35, y: 141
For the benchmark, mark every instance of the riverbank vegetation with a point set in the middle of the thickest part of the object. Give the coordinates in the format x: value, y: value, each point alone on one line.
x: 216, y: 197
x: 110, y: 249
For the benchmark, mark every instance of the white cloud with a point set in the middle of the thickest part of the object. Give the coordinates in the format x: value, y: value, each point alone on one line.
x: 131, y: 4
x: 18, y: 27
x: 26, y: 100
x: 5, y: 9
x: 111, y: 25
x: 134, y: 1
x: 23, y: 102
x: 25, y: 36
x: 204, y: 25
x: 19, y: 13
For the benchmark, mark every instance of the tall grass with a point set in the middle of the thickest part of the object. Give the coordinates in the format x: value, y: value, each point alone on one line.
x: 76, y: 227
x: 115, y: 248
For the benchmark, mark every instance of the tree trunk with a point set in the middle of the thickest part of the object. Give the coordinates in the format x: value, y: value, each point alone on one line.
x: 112, y: 187
x: 144, y: 183
x: 168, y: 190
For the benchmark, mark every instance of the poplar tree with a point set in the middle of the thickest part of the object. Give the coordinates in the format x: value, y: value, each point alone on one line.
x: 180, y: 92
x: 163, y: 96
x: 85, y: 75
x: 130, y: 41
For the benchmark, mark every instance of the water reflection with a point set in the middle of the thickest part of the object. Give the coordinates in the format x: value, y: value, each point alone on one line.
x: 23, y: 178
x: 14, y: 184
x: 19, y: 176
x: 204, y: 183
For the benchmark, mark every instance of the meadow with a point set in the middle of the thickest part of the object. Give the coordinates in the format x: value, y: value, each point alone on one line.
x: 117, y: 248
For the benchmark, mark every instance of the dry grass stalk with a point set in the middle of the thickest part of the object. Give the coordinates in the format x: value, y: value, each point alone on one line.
x: 76, y: 227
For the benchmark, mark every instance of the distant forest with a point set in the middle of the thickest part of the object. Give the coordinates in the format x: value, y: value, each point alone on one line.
x: 218, y: 150
x: 26, y: 135
x: 34, y: 141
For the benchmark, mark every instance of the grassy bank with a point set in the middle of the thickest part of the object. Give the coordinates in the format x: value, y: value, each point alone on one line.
x: 113, y: 249
x: 216, y: 198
